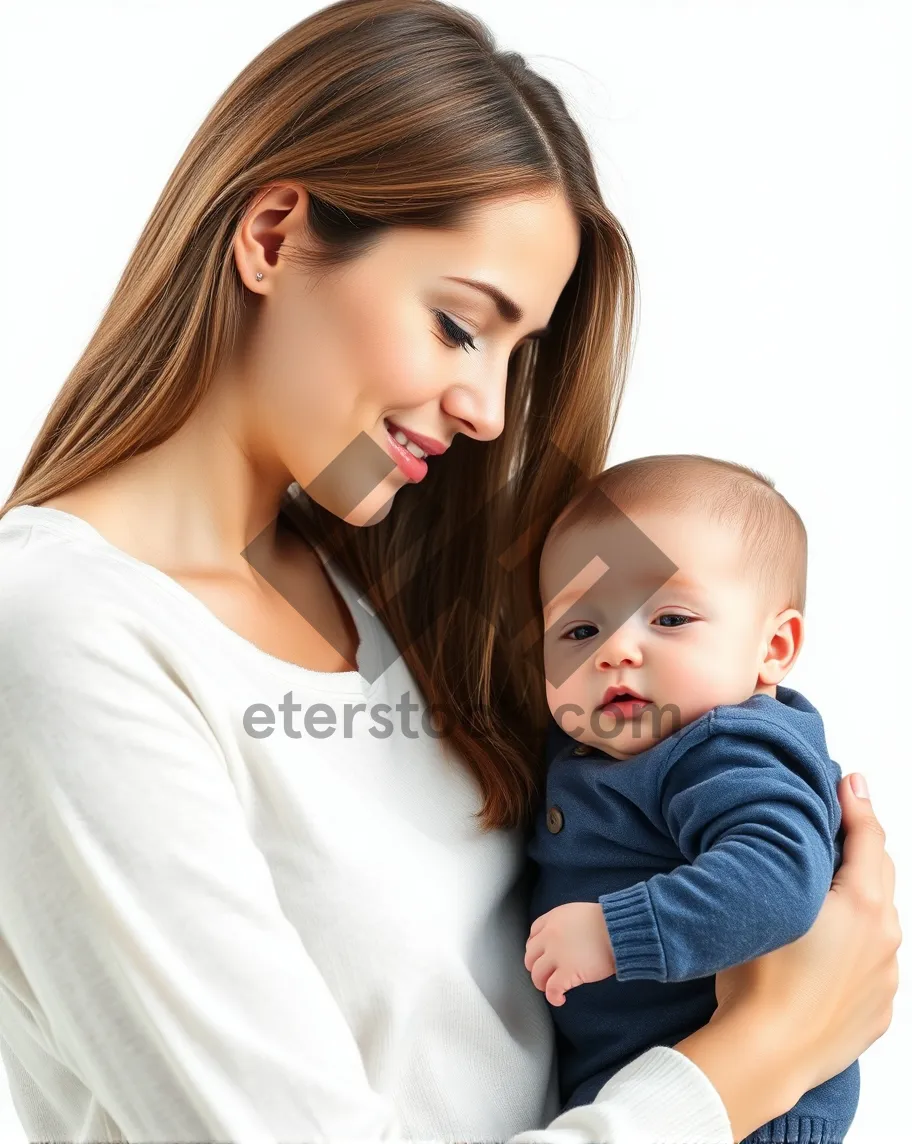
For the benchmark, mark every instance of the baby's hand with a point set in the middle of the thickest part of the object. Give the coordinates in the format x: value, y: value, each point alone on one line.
x: 569, y: 946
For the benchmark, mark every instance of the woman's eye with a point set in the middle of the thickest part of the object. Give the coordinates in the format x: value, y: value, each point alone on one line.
x: 455, y: 333
x: 586, y: 629
x: 675, y: 616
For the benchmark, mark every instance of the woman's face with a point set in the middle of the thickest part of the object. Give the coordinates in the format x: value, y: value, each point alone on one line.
x: 337, y: 366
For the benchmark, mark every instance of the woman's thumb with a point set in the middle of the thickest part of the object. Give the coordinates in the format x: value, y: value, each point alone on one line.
x: 858, y: 785
x: 863, y: 849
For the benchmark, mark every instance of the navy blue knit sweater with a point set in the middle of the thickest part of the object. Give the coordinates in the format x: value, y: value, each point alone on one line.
x: 714, y: 846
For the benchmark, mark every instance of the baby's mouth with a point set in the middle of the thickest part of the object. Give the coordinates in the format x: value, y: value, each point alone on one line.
x: 624, y: 702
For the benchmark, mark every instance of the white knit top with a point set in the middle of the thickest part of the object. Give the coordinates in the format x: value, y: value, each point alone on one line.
x: 226, y: 919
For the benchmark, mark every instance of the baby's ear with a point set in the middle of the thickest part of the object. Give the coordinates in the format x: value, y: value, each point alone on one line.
x: 785, y: 643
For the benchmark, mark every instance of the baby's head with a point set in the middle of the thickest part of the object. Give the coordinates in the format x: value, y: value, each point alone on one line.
x: 608, y: 582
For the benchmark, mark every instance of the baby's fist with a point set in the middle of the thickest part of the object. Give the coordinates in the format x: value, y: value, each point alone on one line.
x: 569, y: 946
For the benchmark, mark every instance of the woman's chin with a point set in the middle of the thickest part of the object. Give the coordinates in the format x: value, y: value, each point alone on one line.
x: 373, y: 508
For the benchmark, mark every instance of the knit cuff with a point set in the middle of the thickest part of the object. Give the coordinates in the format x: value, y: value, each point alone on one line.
x: 670, y: 1099
x: 634, y: 934
x: 660, y: 1096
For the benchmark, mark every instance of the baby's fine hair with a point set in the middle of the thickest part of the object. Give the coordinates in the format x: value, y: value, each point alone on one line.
x: 773, y: 535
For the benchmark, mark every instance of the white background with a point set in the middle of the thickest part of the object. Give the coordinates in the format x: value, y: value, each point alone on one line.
x: 759, y: 157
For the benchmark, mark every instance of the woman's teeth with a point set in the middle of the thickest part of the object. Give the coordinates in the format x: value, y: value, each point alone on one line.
x: 410, y: 445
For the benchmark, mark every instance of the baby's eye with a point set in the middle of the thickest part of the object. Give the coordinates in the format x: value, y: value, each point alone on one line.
x: 587, y: 630
x: 674, y: 616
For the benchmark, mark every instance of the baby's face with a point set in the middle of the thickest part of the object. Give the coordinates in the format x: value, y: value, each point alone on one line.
x: 698, y: 642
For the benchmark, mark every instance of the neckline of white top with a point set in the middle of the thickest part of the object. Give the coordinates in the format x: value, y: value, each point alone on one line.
x: 76, y: 527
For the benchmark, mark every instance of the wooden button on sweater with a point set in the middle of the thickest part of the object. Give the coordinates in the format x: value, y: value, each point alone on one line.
x: 555, y: 820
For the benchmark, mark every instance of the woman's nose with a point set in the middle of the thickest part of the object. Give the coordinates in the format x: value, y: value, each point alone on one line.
x: 479, y: 406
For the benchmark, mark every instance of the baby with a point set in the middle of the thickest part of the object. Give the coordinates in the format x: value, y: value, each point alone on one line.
x: 690, y: 820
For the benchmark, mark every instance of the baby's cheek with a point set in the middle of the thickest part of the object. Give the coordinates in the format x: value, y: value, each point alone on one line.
x: 701, y: 688
x: 564, y: 702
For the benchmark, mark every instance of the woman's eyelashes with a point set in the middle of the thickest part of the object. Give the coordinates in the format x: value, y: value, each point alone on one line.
x: 463, y: 338
x: 455, y: 333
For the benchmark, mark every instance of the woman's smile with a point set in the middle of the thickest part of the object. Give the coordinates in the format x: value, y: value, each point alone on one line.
x: 409, y: 450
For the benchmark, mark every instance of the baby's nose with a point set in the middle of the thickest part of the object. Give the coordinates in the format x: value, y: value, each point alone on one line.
x: 622, y: 647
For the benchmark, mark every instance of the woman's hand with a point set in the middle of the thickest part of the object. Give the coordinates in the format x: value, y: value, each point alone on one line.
x: 835, y: 985
x: 793, y: 1018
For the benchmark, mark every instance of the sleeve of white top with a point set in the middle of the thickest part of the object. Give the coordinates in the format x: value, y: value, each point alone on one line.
x: 139, y: 908
x: 662, y: 1097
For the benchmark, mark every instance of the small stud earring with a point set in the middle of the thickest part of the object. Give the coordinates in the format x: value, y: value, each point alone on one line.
x: 259, y: 276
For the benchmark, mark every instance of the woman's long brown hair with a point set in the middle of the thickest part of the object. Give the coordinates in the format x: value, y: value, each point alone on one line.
x: 391, y: 113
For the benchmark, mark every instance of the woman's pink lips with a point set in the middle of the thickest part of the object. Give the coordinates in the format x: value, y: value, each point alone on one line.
x: 413, y: 467
x: 429, y: 445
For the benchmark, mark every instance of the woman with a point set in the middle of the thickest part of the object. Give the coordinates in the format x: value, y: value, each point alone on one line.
x: 219, y: 922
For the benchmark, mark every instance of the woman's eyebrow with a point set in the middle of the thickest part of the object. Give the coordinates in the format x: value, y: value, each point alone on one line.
x: 506, y: 307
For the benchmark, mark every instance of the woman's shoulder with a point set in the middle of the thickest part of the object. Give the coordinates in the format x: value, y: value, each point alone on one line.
x: 58, y: 588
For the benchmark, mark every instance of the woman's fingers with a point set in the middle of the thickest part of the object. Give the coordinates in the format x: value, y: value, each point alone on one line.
x: 889, y: 877
x: 862, y: 870
x: 868, y: 873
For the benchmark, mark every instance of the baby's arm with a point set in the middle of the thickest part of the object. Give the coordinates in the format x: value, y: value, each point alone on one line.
x: 757, y: 836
